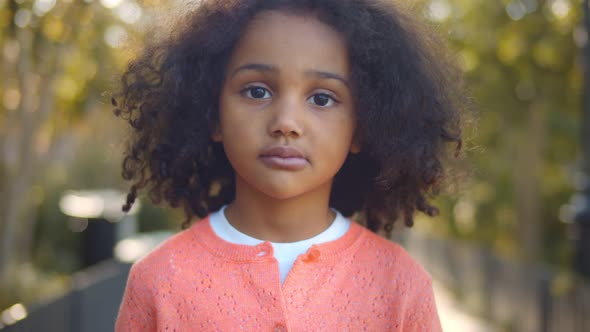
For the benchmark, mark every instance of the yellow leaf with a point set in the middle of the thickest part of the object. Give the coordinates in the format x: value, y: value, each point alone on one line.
x: 53, y: 28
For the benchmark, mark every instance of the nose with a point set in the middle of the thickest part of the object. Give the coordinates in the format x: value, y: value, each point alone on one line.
x: 286, y: 119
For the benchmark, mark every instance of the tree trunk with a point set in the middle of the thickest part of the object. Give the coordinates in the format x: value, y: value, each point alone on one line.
x: 526, y: 181
x: 20, y: 173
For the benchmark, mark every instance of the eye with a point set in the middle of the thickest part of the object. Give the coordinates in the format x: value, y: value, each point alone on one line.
x: 322, y: 99
x: 256, y: 92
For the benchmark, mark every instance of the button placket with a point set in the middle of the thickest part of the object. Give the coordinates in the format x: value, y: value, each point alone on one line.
x: 280, y: 328
x: 264, y: 249
x: 312, y: 255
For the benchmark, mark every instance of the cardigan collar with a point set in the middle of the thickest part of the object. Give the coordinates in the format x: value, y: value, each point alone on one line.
x: 204, y: 234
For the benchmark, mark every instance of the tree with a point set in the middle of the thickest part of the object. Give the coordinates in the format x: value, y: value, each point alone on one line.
x: 58, y: 57
x: 520, y: 63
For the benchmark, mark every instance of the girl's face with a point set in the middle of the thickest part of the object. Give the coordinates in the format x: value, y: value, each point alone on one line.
x: 286, y: 108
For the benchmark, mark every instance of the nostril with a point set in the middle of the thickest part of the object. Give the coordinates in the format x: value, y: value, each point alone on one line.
x: 285, y: 125
x: 288, y: 132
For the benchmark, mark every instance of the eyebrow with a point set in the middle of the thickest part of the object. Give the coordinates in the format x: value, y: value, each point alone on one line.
x: 327, y: 75
x: 272, y: 69
x: 256, y: 67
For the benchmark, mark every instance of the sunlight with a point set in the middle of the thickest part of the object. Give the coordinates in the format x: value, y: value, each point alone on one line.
x: 42, y: 7
x: 560, y: 8
x: 87, y: 206
x: 14, y: 314
x: 439, y: 10
x: 110, y: 3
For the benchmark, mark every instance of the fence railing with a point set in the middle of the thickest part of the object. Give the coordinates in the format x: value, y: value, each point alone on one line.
x: 90, y: 306
x: 513, y: 295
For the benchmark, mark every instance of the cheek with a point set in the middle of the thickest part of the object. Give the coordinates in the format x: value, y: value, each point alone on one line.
x: 237, y: 135
x: 342, y: 129
x: 336, y: 140
x: 229, y: 117
x: 228, y: 103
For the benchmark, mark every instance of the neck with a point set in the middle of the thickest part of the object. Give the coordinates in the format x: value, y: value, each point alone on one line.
x: 280, y: 220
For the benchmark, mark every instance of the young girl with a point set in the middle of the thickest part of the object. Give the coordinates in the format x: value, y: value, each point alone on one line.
x: 275, y: 121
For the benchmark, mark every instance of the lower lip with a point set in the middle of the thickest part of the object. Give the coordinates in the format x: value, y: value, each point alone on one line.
x: 289, y: 163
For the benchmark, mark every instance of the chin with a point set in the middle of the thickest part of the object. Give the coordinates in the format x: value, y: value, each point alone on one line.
x: 279, y: 194
x: 281, y: 191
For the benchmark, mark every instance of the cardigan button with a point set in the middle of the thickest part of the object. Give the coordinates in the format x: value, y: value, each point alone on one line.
x: 280, y: 328
x: 312, y: 255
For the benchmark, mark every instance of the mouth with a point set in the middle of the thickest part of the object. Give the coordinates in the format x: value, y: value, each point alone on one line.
x: 284, y: 157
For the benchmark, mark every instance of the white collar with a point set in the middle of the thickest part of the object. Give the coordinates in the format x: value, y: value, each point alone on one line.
x: 229, y: 233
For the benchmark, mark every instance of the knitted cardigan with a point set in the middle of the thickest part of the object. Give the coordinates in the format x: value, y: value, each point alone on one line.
x: 195, y: 281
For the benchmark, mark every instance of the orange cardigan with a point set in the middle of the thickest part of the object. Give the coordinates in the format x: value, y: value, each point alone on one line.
x: 195, y: 281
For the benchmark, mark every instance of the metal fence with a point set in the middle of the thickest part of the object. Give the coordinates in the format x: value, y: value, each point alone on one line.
x: 513, y: 295
x: 91, y: 306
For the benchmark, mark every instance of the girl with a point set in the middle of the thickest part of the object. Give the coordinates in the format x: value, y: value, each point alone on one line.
x: 275, y: 120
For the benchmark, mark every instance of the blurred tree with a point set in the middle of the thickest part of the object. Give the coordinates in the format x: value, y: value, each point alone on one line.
x: 520, y: 61
x: 57, y: 58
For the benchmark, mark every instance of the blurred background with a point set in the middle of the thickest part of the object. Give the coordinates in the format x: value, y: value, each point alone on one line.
x: 510, y: 249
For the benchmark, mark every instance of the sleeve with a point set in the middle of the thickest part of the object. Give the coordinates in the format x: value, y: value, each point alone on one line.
x: 137, y: 310
x: 422, y: 315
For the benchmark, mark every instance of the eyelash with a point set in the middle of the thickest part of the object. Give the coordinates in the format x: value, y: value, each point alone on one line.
x: 246, y: 90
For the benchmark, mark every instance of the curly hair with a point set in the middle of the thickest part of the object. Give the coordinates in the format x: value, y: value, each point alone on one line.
x: 409, y: 88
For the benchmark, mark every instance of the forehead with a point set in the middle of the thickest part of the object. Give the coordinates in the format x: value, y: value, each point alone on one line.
x: 293, y: 39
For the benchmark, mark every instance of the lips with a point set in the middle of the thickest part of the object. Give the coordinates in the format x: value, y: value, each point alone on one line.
x: 284, y: 157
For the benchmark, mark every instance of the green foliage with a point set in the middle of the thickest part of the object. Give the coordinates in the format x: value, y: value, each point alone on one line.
x: 523, y: 70
x: 58, y: 59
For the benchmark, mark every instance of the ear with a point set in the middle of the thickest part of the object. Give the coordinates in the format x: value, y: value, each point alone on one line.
x: 216, y: 135
x: 355, y: 147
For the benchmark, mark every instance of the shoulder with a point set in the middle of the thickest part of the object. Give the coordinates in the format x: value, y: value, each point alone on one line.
x: 169, y: 254
x: 150, y: 279
x: 391, y: 258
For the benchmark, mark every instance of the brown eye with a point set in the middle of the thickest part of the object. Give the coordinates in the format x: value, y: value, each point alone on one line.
x: 256, y: 92
x: 322, y: 99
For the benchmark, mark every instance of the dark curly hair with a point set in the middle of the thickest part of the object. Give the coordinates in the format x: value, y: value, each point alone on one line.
x: 410, y: 91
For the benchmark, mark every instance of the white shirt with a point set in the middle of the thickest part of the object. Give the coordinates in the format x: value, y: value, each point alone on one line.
x: 285, y: 253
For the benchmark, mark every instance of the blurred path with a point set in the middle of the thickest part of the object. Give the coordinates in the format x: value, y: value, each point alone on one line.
x: 453, y: 318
